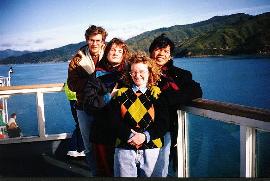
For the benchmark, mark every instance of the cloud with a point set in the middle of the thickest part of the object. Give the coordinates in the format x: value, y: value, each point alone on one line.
x: 23, y: 43
x: 126, y: 30
x: 39, y: 41
x: 251, y: 10
x: 6, y: 45
x: 47, y: 39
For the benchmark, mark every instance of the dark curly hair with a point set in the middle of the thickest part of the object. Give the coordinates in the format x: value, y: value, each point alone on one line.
x: 161, y: 41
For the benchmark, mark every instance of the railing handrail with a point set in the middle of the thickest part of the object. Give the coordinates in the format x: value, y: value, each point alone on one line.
x: 232, y: 109
x: 3, y: 90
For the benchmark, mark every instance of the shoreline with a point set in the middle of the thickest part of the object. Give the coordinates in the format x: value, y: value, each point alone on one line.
x: 194, y: 56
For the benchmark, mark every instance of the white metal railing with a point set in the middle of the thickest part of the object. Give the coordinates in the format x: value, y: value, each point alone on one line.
x: 39, y: 90
x: 4, y: 81
x: 250, y: 119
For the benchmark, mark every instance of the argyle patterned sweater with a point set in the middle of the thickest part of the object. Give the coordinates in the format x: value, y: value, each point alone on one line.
x: 135, y: 111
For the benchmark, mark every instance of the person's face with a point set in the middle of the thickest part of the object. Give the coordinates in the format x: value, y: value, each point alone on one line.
x: 161, y: 55
x: 115, y: 55
x: 95, y: 44
x: 139, y: 74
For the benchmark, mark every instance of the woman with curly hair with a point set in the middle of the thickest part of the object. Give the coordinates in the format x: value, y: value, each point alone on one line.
x: 135, y: 109
x: 99, y: 89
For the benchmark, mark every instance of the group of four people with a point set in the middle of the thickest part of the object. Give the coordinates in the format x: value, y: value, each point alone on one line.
x: 126, y: 104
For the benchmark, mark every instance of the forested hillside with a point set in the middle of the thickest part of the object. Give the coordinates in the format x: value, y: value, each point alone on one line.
x: 221, y: 35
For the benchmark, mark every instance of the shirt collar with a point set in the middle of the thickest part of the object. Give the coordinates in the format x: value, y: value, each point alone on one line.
x: 136, y: 88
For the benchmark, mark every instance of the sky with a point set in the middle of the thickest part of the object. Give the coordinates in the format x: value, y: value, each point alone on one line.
x: 37, y: 25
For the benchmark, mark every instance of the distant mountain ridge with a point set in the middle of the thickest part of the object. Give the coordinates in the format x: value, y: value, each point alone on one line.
x: 235, y: 34
x: 8, y: 53
x: 221, y: 35
x: 61, y: 54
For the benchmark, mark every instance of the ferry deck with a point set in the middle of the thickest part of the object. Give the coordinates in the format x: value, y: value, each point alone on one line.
x: 45, y: 155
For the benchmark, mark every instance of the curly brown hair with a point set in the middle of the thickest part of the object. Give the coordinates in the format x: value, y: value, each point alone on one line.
x: 153, y: 68
x: 95, y: 30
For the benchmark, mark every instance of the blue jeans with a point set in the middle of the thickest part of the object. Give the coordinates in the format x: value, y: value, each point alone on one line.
x: 85, y: 122
x: 162, y: 166
x: 76, y: 141
x: 135, y: 163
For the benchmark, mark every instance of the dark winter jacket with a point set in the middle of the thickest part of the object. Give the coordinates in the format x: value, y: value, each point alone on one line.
x: 179, y: 89
x: 79, y: 70
x: 96, y: 98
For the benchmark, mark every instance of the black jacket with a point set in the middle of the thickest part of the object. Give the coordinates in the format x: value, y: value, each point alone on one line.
x: 99, y: 84
x: 179, y: 89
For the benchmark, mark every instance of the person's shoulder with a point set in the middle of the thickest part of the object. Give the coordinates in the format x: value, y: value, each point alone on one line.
x: 78, y: 56
x: 11, y: 122
x: 178, y: 70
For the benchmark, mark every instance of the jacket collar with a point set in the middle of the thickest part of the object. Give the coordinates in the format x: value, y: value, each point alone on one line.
x: 168, y: 65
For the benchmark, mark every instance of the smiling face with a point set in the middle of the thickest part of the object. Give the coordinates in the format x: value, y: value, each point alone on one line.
x: 161, y: 55
x: 115, y: 55
x: 139, y: 74
x: 95, y: 44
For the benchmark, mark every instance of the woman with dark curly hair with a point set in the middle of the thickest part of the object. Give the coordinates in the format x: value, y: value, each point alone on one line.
x: 99, y: 89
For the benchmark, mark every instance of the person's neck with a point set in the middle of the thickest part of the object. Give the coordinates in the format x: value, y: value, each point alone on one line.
x: 94, y: 55
x: 95, y: 58
x: 142, y: 86
x: 115, y: 65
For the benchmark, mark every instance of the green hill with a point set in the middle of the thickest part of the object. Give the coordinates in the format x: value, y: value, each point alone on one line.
x: 54, y: 55
x: 237, y: 34
x: 221, y: 35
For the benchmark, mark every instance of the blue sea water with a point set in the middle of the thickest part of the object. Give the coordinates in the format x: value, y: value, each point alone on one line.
x: 213, y: 145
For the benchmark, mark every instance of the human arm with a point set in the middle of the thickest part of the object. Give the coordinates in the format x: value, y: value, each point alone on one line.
x: 188, y: 88
x: 77, y: 76
x: 137, y: 139
x: 95, y: 94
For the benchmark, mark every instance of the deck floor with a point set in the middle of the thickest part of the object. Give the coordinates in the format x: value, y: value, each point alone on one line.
x: 44, y: 166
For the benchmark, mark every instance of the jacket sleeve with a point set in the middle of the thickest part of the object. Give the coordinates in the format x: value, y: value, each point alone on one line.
x: 77, y: 76
x: 94, y: 93
x: 161, y: 121
x: 189, y: 90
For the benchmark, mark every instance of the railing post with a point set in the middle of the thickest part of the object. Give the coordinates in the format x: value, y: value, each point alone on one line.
x: 40, y: 114
x: 4, y: 110
x: 247, y: 151
x: 182, y: 170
